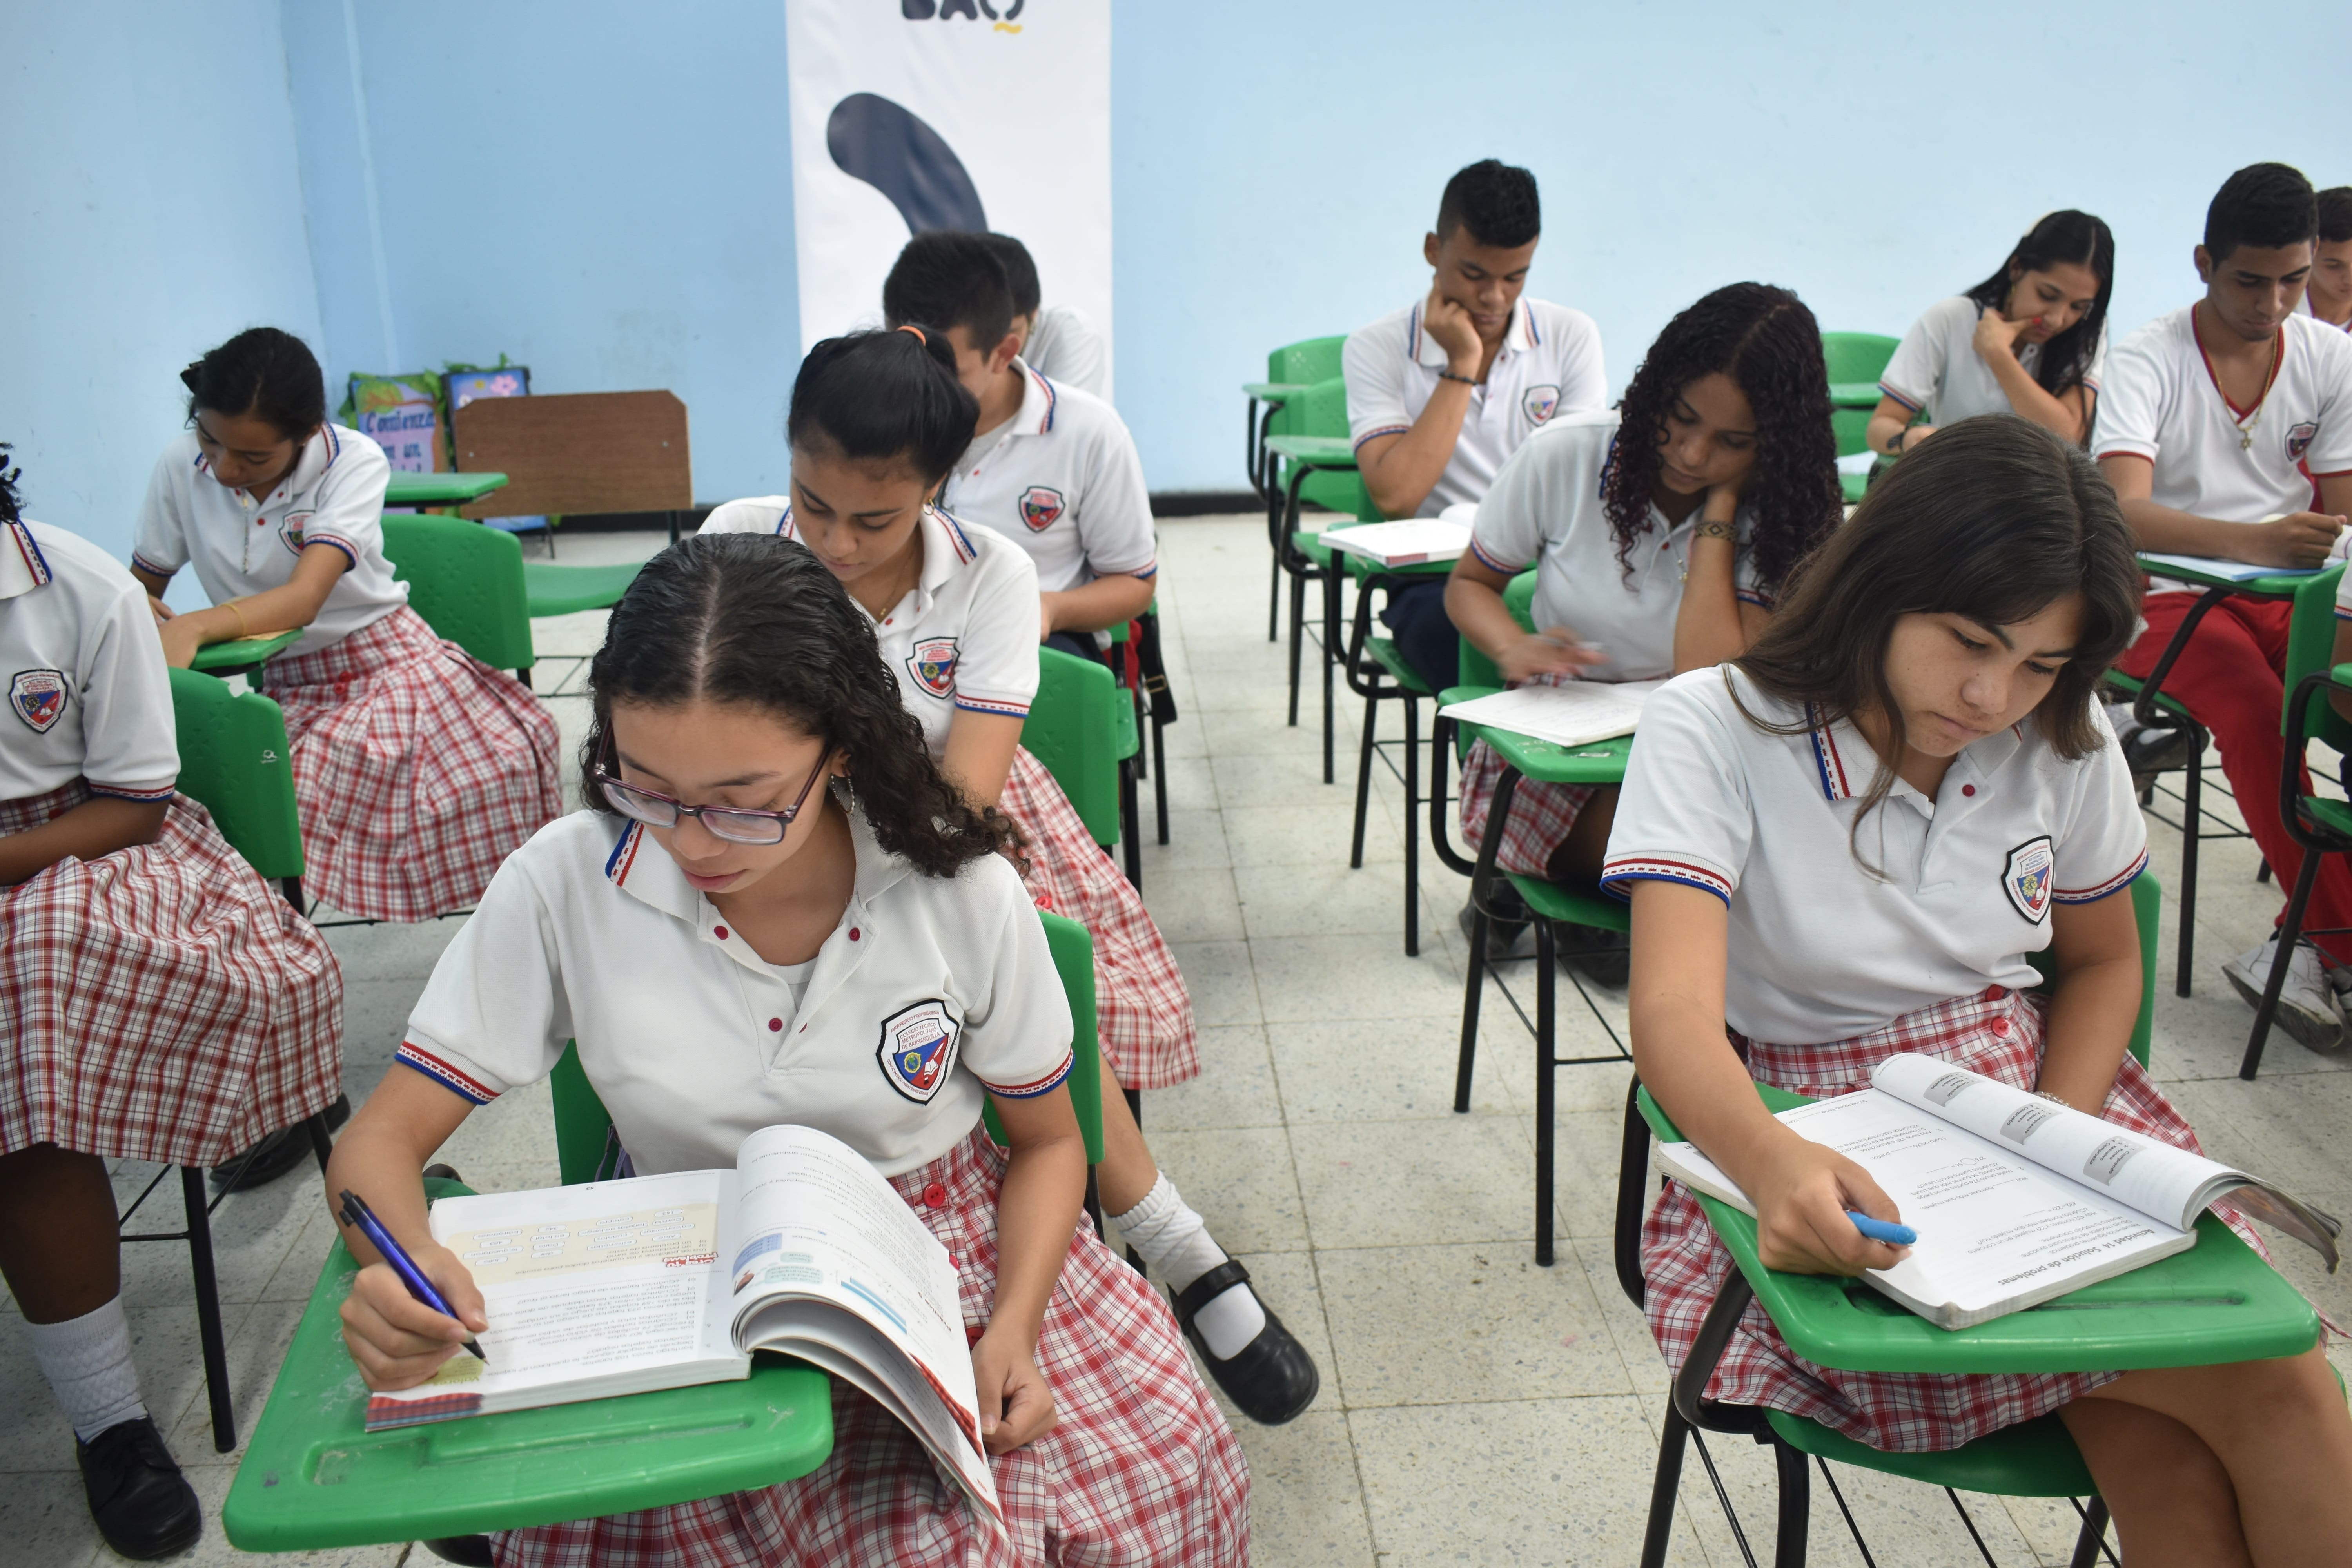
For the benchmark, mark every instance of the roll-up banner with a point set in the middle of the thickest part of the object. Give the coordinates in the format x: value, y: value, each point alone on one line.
x: 914, y: 115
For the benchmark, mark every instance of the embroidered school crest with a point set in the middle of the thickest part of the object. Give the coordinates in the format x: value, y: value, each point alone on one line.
x: 918, y: 1048
x: 2299, y: 440
x: 1538, y: 403
x: 932, y: 664
x: 2026, y: 878
x: 38, y: 696
x: 290, y: 530
x: 1040, y: 507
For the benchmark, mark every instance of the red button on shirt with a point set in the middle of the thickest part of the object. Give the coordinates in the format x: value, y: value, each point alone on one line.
x: 936, y: 1196
x: 1967, y: 789
x: 853, y: 933
x: 776, y: 1026
x: 719, y: 931
x: 2000, y: 1025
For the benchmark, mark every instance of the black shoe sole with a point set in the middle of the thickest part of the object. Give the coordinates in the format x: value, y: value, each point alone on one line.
x: 275, y: 1154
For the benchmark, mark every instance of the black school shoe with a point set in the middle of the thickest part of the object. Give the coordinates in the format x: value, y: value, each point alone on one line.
x: 138, y: 1498
x: 275, y: 1154
x: 467, y: 1551
x: 1272, y: 1378
x: 1604, y: 956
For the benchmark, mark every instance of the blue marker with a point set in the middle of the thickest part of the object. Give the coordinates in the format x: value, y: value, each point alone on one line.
x: 362, y: 1218
x: 1880, y: 1230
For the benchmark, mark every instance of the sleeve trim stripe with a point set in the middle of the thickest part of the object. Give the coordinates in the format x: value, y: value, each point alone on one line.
x: 146, y: 565
x: 1376, y: 435
x: 982, y: 705
x: 1752, y: 597
x: 1886, y: 391
x: 1492, y: 562
x: 2112, y: 885
x: 1640, y: 868
x: 349, y: 550
x: 2148, y: 458
x: 2333, y: 474
x: 1035, y: 1087
x: 146, y: 796
x: 442, y: 1073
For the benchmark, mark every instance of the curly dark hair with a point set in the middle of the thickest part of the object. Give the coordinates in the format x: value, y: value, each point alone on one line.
x: 1768, y: 343
x: 2069, y: 236
x: 12, y: 499
x: 755, y: 621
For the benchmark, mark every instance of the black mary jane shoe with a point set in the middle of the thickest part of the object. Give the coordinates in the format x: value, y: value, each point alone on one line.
x: 470, y: 1550
x: 275, y: 1154
x: 1272, y: 1378
x: 1604, y: 956
x: 139, y: 1500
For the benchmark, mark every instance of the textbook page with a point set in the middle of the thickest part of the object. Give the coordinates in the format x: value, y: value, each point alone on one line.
x: 1573, y: 713
x: 829, y: 1264
x: 602, y: 1289
x: 1408, y: 541
x: 2214, y: 566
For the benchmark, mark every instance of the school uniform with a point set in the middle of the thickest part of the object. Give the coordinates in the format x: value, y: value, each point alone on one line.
x: 1064, y: 348
x: 1830, y: 970
x: 161, y: 1002
x: 416, y: 767
x: 965, y: 639
x: 2212, y: 458
x: 588, y: 932
x: 1546, y: 510
x: 1936, y: 371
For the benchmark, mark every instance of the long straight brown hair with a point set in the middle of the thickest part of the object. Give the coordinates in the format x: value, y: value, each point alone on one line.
x: 1993, y: 519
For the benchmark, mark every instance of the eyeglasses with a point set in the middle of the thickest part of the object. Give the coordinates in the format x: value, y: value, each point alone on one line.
x: 657, y: 810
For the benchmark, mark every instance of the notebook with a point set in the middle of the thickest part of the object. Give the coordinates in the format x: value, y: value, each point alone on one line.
x: 2214, y: 566
x: 1411, y: 541
x: 1573, y: 713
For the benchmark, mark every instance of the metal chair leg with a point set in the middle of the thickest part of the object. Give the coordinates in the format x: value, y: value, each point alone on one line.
x: 1547, y: 989
x: 1476, y: 968
x: 2192, y: 795
x: 1331, y: 656
x: 1412, y: 827
x: 1663, y: 1487
x: 1364, y: 781
x: 208, y: 1313
x: 1794, y: 1513
x: 2092, y: 1534
x: 2289, y: 930
x: 1297, y: 637
x: 322, y: 1142
x: 1633, y: 1198
x: 1130, y: 825
x: 292, y: 887
x: 1159, y: 774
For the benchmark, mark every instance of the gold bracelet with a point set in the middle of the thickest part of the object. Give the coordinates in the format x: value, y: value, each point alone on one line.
x: 230, y: 606
x: 1715, y: 530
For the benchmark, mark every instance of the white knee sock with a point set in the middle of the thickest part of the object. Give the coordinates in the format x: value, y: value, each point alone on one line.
x: 1176, y: 1242
x: 87, y: 1362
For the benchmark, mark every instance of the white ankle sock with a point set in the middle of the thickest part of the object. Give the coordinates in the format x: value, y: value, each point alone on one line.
x: 87, y: 1362
x: 1176, y: 1243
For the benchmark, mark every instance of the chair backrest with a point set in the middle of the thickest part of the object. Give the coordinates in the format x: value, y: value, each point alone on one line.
x: 586, y: 1149
x: 1072, y: 730
x: 2310, y: 646
x: 1855, y: 356
x: 2147, y: 907
x: 466, y: 581
x: 1307, y: 361
x: 569, y: 453
x: 1323, y: 411
x: 1475, y: 668
x: 1850, y: 426
x: 235, y: 759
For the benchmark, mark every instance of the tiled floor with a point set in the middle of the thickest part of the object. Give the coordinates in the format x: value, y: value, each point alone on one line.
x: 1476, y: 1408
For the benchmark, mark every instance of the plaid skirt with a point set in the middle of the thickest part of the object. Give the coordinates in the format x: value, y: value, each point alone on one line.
x: 417, y: 769
x: 1541, y: 814
x: 1996, y: 1032
x: 161, y: 1002
x: 1139, y: 1467
x: 1143, y: 1015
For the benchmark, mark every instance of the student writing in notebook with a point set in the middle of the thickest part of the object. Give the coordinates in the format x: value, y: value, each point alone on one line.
x: 877, y: 418
x: 1660, y: 532
x: 774, y: 875
x: 1852, y: 835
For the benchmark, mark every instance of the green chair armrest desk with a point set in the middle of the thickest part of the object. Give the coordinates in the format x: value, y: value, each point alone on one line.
x: 240, y: 656
x: 404, y: 489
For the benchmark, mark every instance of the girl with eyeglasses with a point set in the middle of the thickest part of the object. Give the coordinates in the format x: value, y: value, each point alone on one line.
x: 772, y: 871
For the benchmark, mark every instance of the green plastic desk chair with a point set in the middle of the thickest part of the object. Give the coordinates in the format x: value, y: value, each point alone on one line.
x: 404, y: 488
x: 1290, y: 371
x: 1855, y: 361
x: 1377, y: 671
x: 242, y: 655
x: 1319, y: 466
x: 1081, y: 728
x: 1474, y: 676
x: 555, y: 590
x: 466, y: 582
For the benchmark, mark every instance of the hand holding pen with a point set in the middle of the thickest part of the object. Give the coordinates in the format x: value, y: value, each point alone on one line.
x: 399, y: 1322
x: 1555, y: 650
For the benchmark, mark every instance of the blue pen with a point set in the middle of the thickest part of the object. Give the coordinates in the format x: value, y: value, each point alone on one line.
x: 357, y: 1215
x: 1880, y: 1230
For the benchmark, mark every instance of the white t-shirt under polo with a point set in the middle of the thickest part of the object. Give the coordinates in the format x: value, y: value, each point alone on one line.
x: 334, y: 496
x: 1064, y: 348
x: 1061, y: 479
x: 1545, y: 510
x: 1820, y: 949
x: 1549, y: 364
x: 2235, y: 464
x: 930, y: 991
x: 964, y: 636
x: 88, y: 694
x: 1937, y: 370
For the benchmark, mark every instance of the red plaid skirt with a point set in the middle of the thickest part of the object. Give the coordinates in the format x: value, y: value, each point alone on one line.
x: 1995, y: 1032
x: 417, y: 769
x: 1139, y: 1467
x: 1143, y: 1015
x: 1541, y: 814
x: 161, y: 1002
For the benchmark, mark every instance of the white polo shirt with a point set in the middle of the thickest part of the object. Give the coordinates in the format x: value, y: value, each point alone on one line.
x: 931, y: 992
x: 1820, y: 949
x: 1549, y: 364
x: 1937, y: 369
x: 1061, y: 479
x: 239, y: 546
x: 88, y: 694
x: 1545, y: 510
x: 1064, y: 348
x: 2211, y: 459
x: 964, y: 636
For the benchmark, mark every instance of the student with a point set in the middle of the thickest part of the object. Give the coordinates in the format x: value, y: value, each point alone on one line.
x: 1853, y: 835
x: 1442, y: 392
x: 2217, y: 423
x: 729, y: 972
x: 1052, y: 468
x: 417, y: 768
x: 2328, y: 297
x: 877, y: 418
x: 163, y: 1002
x: 1057, y: 342
x: 1660, y: 532
x: 2031, y: 340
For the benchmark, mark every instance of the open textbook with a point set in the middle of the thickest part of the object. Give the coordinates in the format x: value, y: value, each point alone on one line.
x: 1409, y: 542
x: 2017, y: 1199
x: 662, y: 1281
x: 1573, y: 713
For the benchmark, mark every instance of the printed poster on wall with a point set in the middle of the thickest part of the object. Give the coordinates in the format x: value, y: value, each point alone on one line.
x: 914, y: 115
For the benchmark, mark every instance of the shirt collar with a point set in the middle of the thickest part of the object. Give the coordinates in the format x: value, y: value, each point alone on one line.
x: 947, y: 548
x: 1519, y: 336
x: 317, y: 454
x: 1038, y: 400
x: 22, y: 567
x: 1845, y: 762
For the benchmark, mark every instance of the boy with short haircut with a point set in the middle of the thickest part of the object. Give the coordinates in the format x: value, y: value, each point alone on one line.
x: 1057, y: 342
x: 1440, y: 393
x: 2329, y: 296
x: 2217, y: 424
x: 1051, y: 467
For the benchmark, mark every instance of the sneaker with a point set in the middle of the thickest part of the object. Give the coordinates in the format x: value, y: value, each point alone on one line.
x: 2148, y: 749
x: 2307, y: 1007
x: 139, y: 1500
